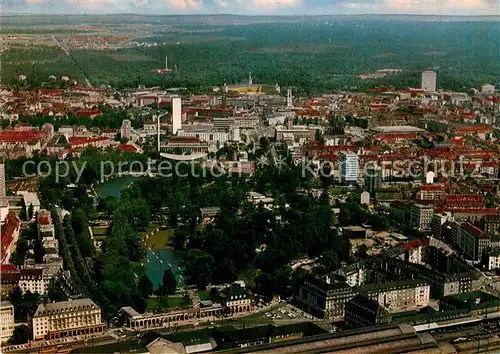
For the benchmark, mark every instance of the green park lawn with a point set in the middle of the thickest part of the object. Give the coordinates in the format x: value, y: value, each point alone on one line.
x: 100, y: 230
x: 155, y: 240
x: 167, y: 302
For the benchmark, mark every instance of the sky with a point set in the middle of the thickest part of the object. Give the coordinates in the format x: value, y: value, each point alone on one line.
x: 255, y: 7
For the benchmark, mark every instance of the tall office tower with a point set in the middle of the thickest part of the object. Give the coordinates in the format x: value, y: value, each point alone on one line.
x: 429, y: 81
x: 373, y: 178
x: 176, y: 114
x: 289, y: 98
x: 348, y: 167
x: 158, y: 132
x: 3, y: 193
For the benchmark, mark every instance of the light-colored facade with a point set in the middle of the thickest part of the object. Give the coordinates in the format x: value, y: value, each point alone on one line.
x: 400, y: 295
x: 236, y: 298
x: 493, y: 262
x: 126, y: 129
x: 176, y: 114
x: 349, y: 166
x: 32, y: 280
x: 487, y: 89
x: 421, y: 217
x: 67, y: 318
x: 209, y: 136
x: 45, y: 225
x: 6, y: 320
x: 429, y: 81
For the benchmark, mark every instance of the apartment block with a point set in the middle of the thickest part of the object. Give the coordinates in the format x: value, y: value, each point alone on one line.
x: 6, y: 321
x: 399, y: 295
x: 421, y: 217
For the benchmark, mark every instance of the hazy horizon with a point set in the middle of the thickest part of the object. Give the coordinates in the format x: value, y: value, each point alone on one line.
x: 254, y: 7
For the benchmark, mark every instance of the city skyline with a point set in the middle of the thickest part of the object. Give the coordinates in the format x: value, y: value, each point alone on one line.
x: 254, y: 7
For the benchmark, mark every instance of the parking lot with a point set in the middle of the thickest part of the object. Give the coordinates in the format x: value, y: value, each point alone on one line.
x: 285, y: 311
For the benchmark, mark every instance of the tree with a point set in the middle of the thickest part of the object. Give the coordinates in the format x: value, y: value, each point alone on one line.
x: 145, y: 286
x: 23, y: 215
x: 80, y: 226
x: 319, y: 137
x: 169, y: 283
x: 30, y: 212
x: 330, y: 261
x: 199, y: 267
x: 179, y: 238
x: 55, y: 291
x: 22, y: 334
x: 362, y: 251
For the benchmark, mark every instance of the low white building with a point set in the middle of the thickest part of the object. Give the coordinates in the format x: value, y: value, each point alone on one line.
x: 487, y: 89
x: 494, y: 261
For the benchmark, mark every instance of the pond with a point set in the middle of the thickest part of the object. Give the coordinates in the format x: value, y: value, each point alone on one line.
x: 114, y: 187
x: 159, y: 261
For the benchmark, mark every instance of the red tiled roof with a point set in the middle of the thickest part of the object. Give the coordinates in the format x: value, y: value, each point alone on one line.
x: 472, y: 229
x: 416, y: 243
x: 473, y: 129
x: 12, y: 224
x: 19, y: 136
x: 88, y: 112
x: 76, y: 140
x: 128, y: 148
x: 50, y: 92
x: 9, y: 268
x: 44, y: 218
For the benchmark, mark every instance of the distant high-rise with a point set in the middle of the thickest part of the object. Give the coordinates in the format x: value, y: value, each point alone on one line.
x: 289, y: 98
x: 348, y: 167
x: 429, y: 81
x: 176, y: 114
x: 373, y: 179
x: 3, y: 193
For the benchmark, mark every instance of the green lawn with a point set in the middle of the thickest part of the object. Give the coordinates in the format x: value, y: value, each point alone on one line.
x: 204, y: 295
x: 159, y: 239
x: 258, y: 318
x: 167, y: 302
x: 100, y: 230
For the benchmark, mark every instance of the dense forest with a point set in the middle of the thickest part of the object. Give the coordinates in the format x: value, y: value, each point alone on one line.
x: 312, y: 56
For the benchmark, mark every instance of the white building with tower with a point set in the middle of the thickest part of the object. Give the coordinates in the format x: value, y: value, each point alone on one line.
x: 126, y: 129
x: 176, y: 114
x: 429, y: 81
x: 348, y: 167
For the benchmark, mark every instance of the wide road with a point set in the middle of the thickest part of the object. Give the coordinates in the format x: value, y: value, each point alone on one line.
x: 67, y: 52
